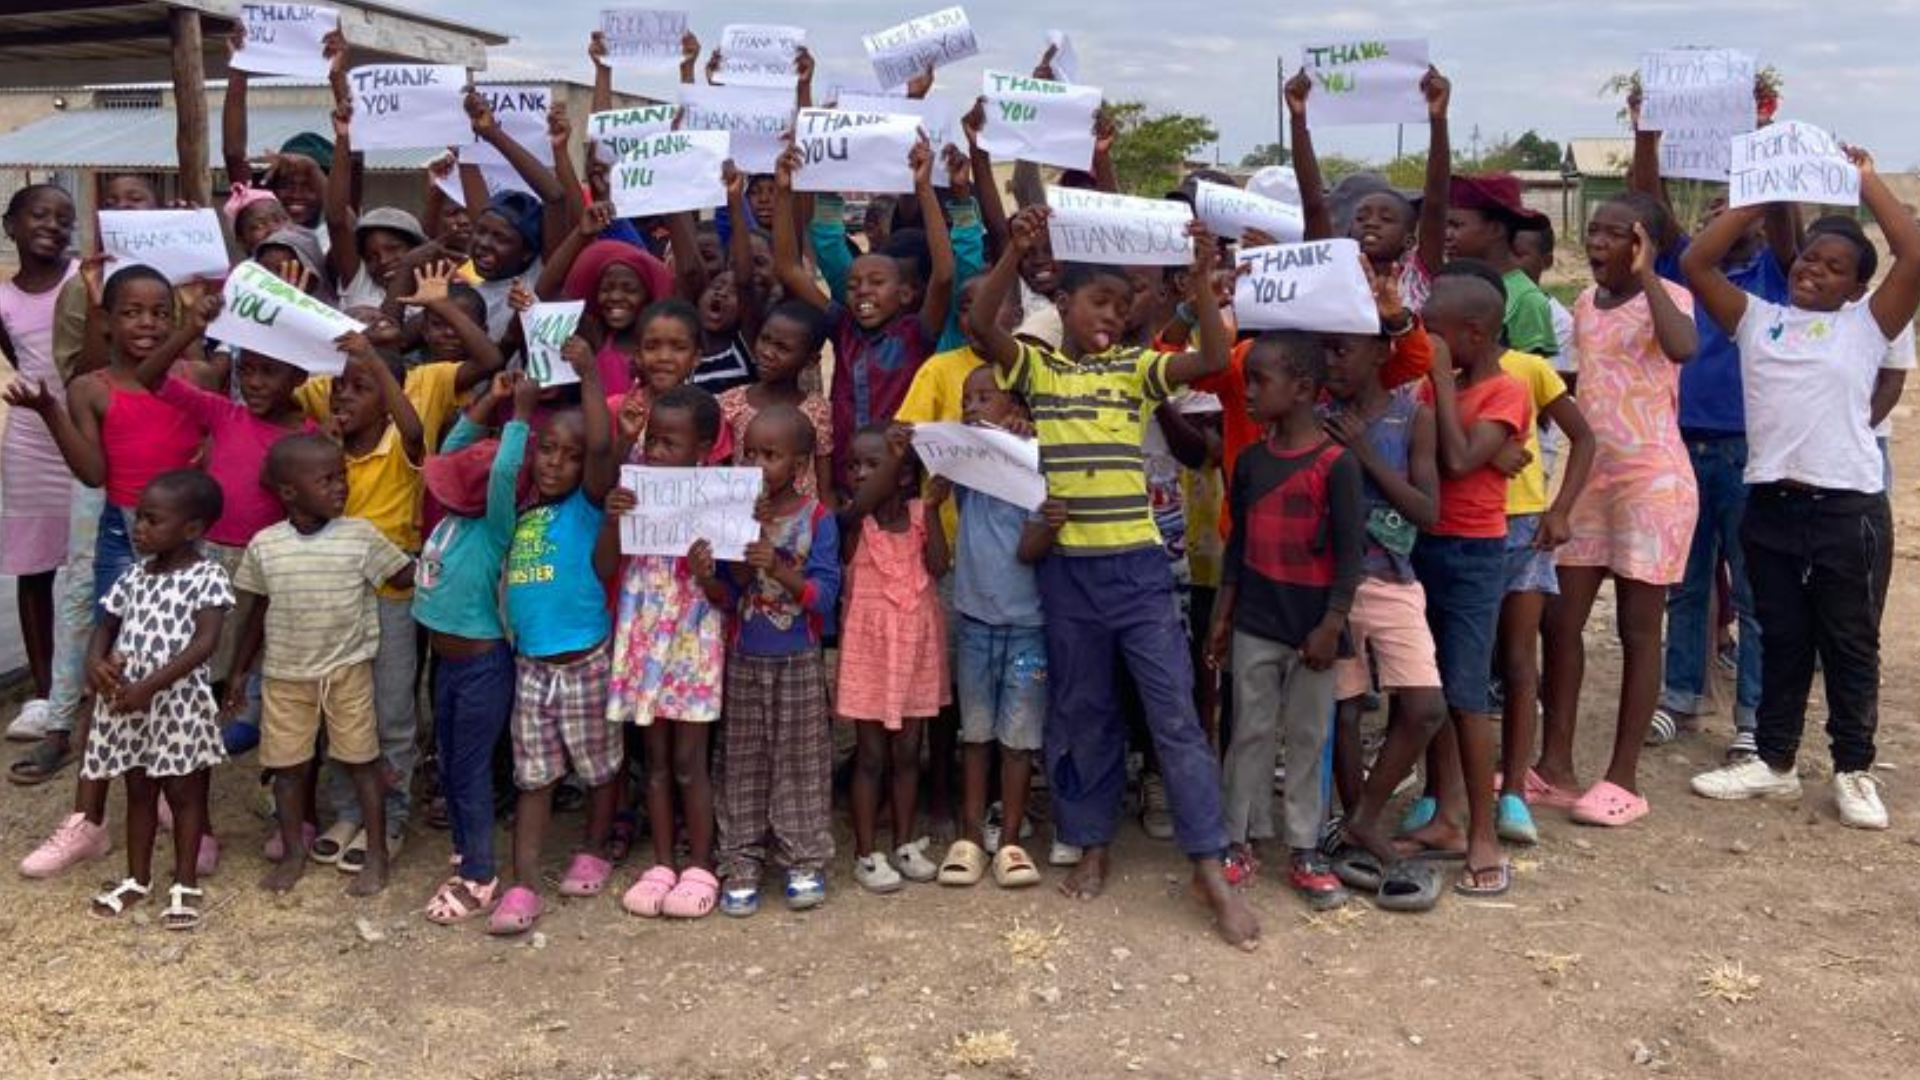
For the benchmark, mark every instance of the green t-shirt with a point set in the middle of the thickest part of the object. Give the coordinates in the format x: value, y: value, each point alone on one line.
x: 1529, y: 321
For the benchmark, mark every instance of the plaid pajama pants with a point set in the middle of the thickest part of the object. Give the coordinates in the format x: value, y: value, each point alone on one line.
x: 776, y: 766
x: 560, y: 717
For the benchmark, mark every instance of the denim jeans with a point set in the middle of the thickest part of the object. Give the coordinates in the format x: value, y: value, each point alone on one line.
x: 73, y: 611
x: 112, y: 552
x: 395, y: 670
x: 472, y: 699
x: 1719, y: 467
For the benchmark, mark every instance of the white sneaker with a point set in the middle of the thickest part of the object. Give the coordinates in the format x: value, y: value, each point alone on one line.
x: 1064, y: 854
x: 1858, y: 795
x: 912, y: 862
x: 1749, y: 779
x: 31, y: 724
x: 875, y: 874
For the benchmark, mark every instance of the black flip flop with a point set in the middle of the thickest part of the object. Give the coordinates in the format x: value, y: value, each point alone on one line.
x: 42, y: 763
x: 1410, y: 885
x: 1359, y: 869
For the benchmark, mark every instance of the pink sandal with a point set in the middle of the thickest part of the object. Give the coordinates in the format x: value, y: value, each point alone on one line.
x: 517, y: 912
x: 694, y: 897
x: 1540, y: 793
x: 644, y: 897
x: 587, y: 875
x: 449, y: 904
x: 1609, y: 804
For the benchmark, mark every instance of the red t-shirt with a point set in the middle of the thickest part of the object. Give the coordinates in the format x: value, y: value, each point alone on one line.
x: 1475, y: 506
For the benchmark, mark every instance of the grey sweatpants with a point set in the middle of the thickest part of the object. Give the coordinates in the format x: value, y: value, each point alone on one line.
x: 396, y: 668
x: 1276, y: 696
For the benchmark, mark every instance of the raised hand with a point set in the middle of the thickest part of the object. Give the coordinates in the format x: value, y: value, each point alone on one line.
x: 785, y: 167
x: 430, y: 283
x: 30, y: 394
x: 1026, y: 228
x: 597, y: 49
x: 920, y: 160
x: 559, y: 127
x: 921, y: 84
x: 479, y: 111
x: 1297, y: 90
x: 1438, y: 91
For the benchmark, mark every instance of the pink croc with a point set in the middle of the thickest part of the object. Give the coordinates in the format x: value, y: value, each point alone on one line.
x: 516, y: 913
x: 587, y: 875
x: 645, y: 896
x: 1540, y: 793
x: 693, y: 898
x: 1609, y: 804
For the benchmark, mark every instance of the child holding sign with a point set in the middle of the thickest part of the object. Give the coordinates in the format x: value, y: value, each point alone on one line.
x: 1107, y: 590
x: 776, y: 753
x: 557, y: 609
x: 669, y: 647
x: 1817, y: 521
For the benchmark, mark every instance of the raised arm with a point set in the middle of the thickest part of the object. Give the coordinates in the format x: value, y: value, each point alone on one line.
x: 600, y: 470
x: 343, y: 254
x: 1216, y: 341
x: 488, y: 130
x: 553, y: 272
x: 1724, y: 301
x: 1673, y: 328
x: 602, y: 72
x: 1306, y: 167
x: 1643, y: 169
x: 750, y: 305
x: 1432, y: 249
x: 233, y: 114
x: 483, y: 357
x: 201, y: 308
x: 788, y: 267
x: 997, y: 346
x: 573, y: 205
x: 689, y: 56
x: 75, y: 425
x: 939, y: 295
x: 986, y: 188
x: 1105, y: 176
x: 393, y: 397
x: 1893, y: 303
x: 689, y: 269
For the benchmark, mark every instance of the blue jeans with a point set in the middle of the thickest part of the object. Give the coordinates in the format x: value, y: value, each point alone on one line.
x: 472, y: 699
x: 1466, y: 581
x: 112, y: 553
x: 1719, y: 467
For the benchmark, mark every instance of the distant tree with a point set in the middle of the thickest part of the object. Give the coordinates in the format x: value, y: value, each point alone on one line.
x: 1150, y: 149
x: 1266, y: 154
x: 1408, y: 172
x: 1529, y: 151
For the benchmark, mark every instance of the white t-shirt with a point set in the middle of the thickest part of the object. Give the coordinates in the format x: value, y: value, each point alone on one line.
x: 1567, y: 361
x: 1900, y: 357
x: 1808, y: 384
x: 499, y: 314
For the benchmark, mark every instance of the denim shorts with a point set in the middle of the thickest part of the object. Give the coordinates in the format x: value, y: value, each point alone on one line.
x: 1529, y: 570
x: 1465, y: 581
x: 113, y: 553
x: 1002, y: 676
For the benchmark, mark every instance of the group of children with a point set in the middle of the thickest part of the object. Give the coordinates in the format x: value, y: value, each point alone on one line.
x: 1244, y: 536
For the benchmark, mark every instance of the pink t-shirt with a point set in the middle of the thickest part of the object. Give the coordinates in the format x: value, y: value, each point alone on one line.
x: 235, y: 455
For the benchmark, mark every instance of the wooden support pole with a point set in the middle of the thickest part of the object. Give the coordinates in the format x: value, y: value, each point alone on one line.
x: 190, y: 105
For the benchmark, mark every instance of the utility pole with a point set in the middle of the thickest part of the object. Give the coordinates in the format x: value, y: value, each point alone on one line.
x: 1280, y: 104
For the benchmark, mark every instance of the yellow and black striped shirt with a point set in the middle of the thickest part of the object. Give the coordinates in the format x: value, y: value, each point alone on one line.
x: 1091, y: 416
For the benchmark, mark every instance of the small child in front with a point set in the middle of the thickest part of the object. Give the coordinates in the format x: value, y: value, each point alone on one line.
x: 314, y: 628
x: 1288, y: 580
x: 1107, y: 590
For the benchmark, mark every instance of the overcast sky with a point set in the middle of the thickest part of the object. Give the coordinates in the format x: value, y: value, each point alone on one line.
x: 1848, y: 65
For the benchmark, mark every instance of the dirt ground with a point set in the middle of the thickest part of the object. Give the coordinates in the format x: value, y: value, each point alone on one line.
x: 1750, y: 941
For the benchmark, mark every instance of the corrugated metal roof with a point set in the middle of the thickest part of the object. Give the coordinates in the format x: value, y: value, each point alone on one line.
x: 143, y: 139
x: 1600, y: 157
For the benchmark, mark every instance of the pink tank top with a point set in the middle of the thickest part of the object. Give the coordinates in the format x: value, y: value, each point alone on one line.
x: 143, y: 437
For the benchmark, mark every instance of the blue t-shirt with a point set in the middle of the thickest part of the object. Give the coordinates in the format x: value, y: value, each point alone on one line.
x: 456, y: 584
x: 555, y: 602
x: 990, y: 583
x: 1710, y: 395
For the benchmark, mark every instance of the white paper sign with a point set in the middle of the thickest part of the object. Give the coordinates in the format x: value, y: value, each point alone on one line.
x: 1367, y: 82
x: 408, y: 106
x: 678, y: 506
x: 1037, y: 120
x: 521, y: 112
x: 546, y: 327
x: 937, y: 119
x: 642, y: 38
x: 498, y: 178
x: 182, y: 244
x: 1791, y: 162
x: 1066, y: 63
x: 668, y: 173
x: 898, y: 53
x: 759, y: 55
x: 1122, y: 230
x: 1230, y: 212
x: 1318, y: 286
x: 1276, y: 182
x: 848, y: 151
x: 266, y: 315
x: 988, y: 460
x: 286, y: 39
x: 756, y: 119
x: 617, y: 131
x: 1698, y: 99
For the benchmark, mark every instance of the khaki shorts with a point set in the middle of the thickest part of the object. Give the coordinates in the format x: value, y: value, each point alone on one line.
x: 292, y: 710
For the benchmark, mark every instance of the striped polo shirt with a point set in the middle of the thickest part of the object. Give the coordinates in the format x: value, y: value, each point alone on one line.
x: 321, y: 614
x: 1090, y: 415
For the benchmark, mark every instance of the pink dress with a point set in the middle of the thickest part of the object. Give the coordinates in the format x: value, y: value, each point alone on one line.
x: 893, y: 640
x: 1636, y: 515
x: 35, y: 485
x: 736, y: 412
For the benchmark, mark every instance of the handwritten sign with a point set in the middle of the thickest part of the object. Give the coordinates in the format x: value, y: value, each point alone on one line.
x: 1698, y: 99
x: 1367, y: 82
x: 407, y: 106
x: 756, y: 120
x: 266, y: 315
x: 898, y: 53
x: 617, y: 131
x: 849, y: 151
x: 1066, y: 62
x: 521, y: 111
x: 759, y: 55
x: 497, y: 178
x: 286, y: 39
x: 1230, y: 212
x: 668, y: 173
x: 1318, y: 286
x: 642, y: 38
x: 182, y: 244
x: 678, y: 506
x: 1123, y: 230
x: 937, y: 118
x: 1039, y: 120
x: 546, y: 327
x: 1791, y: 162
x: 988, y: 460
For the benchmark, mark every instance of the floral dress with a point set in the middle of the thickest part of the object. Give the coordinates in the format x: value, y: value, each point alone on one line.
x: 670, y: 647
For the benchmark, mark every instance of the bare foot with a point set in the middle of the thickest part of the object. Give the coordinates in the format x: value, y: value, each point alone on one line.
x: 1089, y: 879
x: 372, y: 878
x: 285, y: 874
x: 1434, y: 837
x: 1231, y: 915
x: 1371, y: 839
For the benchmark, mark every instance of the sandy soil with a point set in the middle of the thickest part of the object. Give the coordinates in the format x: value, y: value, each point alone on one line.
x: 1754, y: 941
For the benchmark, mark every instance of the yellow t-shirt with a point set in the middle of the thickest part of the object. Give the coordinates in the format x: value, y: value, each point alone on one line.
x: 1527, y: 493
x: 429, y: 387
x: 934, y: 398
